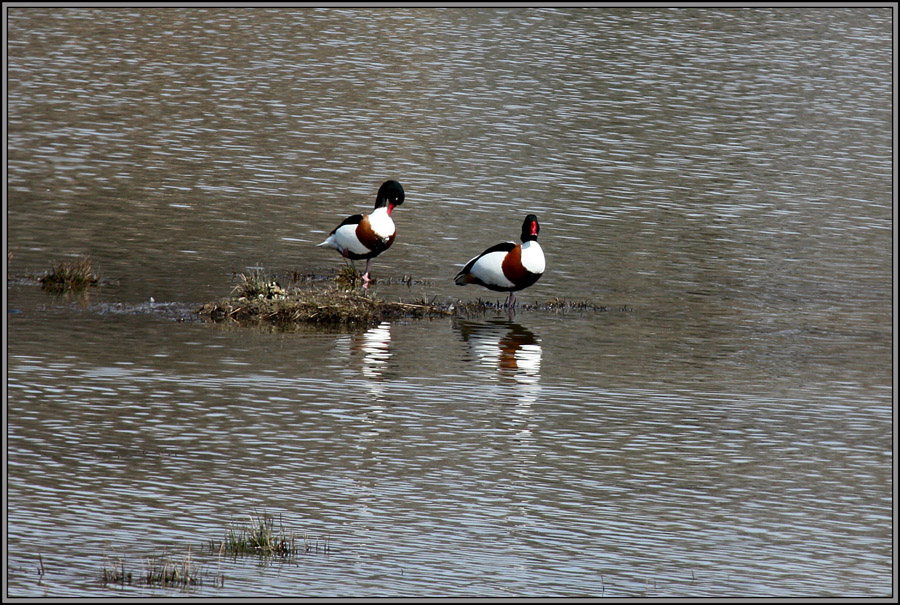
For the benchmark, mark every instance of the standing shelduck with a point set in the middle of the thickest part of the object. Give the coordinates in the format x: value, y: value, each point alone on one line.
x: 507, y: 267
x: 368, y: 235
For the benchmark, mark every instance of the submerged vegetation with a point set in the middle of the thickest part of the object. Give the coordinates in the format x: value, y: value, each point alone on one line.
x: 263, y: 536
x: 158, y: 571
x: 67, y: 276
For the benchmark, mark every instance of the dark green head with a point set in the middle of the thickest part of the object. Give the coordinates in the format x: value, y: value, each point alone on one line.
x: 390, y: 194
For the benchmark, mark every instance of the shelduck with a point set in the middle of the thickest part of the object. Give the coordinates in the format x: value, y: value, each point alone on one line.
x: 365, y: 236
x: 507, y: 267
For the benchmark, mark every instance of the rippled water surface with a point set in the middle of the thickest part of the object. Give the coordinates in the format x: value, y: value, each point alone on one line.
x: 720, y: 180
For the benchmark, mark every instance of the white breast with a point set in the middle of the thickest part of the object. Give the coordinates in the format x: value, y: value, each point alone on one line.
x: 381, y: 223
x: 533, y: 257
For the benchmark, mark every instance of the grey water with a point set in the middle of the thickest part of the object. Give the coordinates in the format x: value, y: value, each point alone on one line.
x: 720, y: 179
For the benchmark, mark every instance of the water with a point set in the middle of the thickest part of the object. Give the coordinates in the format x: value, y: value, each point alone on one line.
x: 720, y: 179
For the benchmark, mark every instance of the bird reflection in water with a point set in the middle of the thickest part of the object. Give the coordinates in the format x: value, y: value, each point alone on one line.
x: 510, y: 350
x: 374, y: 348
x: 369, y: 354
x: 512, y: 354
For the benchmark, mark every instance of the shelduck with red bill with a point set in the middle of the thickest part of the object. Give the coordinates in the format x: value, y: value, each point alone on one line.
x: 365, y: 236
x: 507, y: 267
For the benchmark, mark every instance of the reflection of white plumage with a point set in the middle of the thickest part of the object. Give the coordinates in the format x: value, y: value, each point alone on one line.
x: 375, y: 349
x: 529, y: 362
x: 506, y: 348
x: 369, y: 354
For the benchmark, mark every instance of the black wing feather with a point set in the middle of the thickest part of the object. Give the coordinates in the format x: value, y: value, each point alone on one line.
x: 350, y: 220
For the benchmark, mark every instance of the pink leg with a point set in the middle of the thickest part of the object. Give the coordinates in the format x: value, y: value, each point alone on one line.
x: 365, y: 276
x: 512, y: 300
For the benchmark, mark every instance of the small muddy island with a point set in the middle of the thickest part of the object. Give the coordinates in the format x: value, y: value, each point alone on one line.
x: 342, y: 302
x: 325, y: 305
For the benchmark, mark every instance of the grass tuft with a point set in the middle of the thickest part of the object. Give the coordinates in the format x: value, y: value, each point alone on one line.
x: 70, y: 275
x: 114, y: 573
x: 348, y: 278
x: 258, y: 286
x: 159, y: 571
x: 163, y: 571
x: 262, y: 537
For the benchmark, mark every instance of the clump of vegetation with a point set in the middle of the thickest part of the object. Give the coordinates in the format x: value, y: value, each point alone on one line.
x: 262, y: 537
x: 114, y: 573
x: 348, y: 277
x: 259, y: 537
x: 70, y: 275
x: 160, y: 571
x: 163, y: 571
x: 258, y: 286
x: 324, y: 306
x: 344, y: 304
